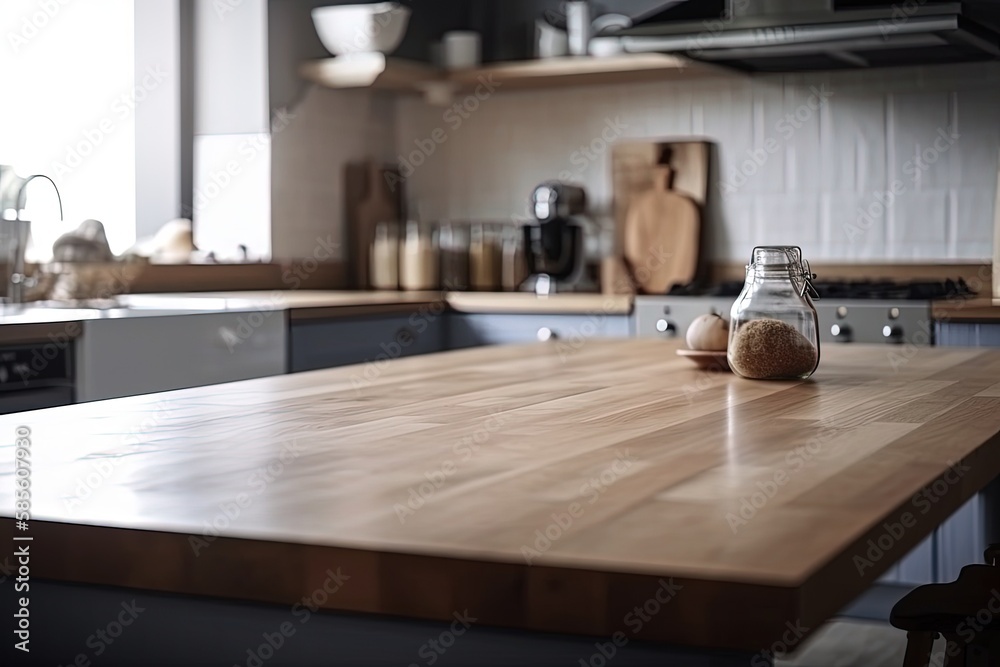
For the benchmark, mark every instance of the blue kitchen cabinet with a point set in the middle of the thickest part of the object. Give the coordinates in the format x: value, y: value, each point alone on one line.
x: 968, y: 334
x: 918, y: 567
x: 963, y: 537
x: 329, y: 343
x: 957, y: 542
x: 136, y: 355
x: 569, y: 331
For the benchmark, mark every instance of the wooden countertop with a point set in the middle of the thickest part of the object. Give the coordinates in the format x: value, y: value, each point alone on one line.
x: 972, y: 310
x: 34, y: 323
x: 613, y: 467
x: 301, y: 304
x: 313, y: 305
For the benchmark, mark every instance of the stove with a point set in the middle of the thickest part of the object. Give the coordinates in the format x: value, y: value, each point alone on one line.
x: 870, y: 311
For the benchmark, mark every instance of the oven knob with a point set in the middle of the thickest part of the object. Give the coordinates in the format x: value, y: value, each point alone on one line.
x: 842, y: 333
x: 893, y: 335
x: 667, y: 328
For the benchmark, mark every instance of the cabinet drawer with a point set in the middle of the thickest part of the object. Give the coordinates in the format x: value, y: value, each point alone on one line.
x: 127, y: 357
x: 477, y: 330
x: 342, y: 342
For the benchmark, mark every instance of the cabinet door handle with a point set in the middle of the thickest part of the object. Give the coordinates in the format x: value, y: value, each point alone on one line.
x: 546, y: 334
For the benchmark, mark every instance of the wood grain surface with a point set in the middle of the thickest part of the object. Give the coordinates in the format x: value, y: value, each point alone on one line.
x: 553, y: 487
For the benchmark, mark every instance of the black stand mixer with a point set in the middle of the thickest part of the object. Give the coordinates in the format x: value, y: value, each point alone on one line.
x: 554, y: 244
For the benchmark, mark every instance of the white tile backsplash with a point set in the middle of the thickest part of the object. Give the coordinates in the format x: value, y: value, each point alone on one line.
x: 969, y: 206
x: 853, y: 228
x: 854, y: 130
x: 876, y: 127
x: 309, y: 153
x: 918, y: 226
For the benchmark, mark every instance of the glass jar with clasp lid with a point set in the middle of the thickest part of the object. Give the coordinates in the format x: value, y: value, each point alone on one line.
x: 774, y: 329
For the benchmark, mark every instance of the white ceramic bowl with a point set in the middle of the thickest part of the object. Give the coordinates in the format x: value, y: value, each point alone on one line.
x: 348, y: 29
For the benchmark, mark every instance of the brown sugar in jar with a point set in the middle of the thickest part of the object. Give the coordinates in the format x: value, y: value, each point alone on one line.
x: 767, y: 349
x: 774, y: 326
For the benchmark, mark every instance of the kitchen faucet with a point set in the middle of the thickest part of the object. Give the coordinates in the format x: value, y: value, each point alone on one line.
x: 17, y: 279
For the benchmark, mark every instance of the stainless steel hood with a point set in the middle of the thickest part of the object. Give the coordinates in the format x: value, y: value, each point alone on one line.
x: 792, y: 35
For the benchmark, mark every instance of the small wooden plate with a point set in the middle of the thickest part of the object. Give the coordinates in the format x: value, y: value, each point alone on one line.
x: 707, y: 361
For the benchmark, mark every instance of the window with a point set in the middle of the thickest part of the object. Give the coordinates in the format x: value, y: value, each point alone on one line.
x: 69, y: 112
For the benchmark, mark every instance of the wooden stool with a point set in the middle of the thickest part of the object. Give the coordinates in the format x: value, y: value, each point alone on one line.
x: 966, y: 612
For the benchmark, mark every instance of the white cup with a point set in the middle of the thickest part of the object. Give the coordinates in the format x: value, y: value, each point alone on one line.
x: 462, y: 50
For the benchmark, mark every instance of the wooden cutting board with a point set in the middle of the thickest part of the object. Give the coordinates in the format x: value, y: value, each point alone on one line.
x: 662, y: 236
x: 374, y: 195
x: 661, y: 188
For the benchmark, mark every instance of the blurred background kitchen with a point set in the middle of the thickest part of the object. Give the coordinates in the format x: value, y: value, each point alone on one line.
x: 403, y: 178
x: 234, y: 115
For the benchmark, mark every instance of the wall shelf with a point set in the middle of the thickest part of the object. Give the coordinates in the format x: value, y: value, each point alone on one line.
x: 372, y: 71
x: 406, y: 76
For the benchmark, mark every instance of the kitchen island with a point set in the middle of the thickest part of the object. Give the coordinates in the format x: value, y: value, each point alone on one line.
x: 603, y: 489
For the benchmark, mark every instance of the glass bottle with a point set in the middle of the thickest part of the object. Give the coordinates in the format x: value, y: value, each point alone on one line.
x: 455, y: 240
x: 514, y: 268
x: 418, y: 258
x: 484, y: 258
x: 384, y: 257
x: 774, y: 328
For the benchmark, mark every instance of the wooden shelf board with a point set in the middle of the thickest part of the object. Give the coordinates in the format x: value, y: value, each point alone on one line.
x: 408, y: 76
x: 628, y: 68
x: 405, y: 76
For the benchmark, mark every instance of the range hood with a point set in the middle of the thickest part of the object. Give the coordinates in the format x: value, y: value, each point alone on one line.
x: 792, y: 35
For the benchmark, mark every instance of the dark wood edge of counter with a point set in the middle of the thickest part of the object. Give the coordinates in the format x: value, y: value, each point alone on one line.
x: 974, y: 310
x: 437, y: 307
x: 537, y: 598
x: 678, y: 611
x: 58, y: 333
x: 305, y: 313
